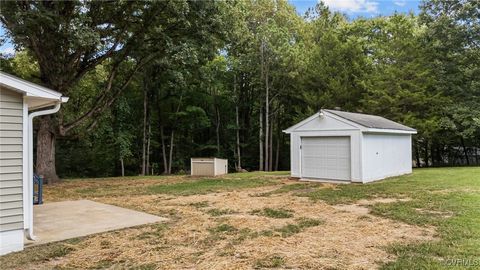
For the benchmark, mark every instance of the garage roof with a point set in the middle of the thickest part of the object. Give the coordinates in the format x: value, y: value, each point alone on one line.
x: 364, y: 122
x: 370, y: 121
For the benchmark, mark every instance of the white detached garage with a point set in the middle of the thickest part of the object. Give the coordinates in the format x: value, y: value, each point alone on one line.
x: 349, y: 147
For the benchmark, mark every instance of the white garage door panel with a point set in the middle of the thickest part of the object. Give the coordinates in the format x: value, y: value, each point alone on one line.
x: 326, y: 157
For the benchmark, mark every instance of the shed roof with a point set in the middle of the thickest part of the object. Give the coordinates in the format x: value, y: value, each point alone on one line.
x: 370, y: 121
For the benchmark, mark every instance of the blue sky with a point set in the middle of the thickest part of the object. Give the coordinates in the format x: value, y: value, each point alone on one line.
x: 362, y: 8
x: 352, y: 8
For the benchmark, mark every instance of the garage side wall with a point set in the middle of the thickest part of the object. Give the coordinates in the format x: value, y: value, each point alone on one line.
x: 294, y: 155
x: 386, y: 155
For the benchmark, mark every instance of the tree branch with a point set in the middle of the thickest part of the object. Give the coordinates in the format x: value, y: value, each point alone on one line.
x: 102, y: 102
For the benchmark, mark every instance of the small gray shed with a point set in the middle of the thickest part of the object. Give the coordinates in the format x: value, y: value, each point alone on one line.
x: 208, y: 166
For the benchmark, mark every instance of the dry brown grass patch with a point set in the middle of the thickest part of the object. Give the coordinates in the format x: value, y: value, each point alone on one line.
x: 190, y: 240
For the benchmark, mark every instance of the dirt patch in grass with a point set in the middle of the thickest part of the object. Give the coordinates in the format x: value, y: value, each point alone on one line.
x: 442, y: 214
x: 316, y: 236
x: 352, y: 208
x: 289, y: 186
x: 361, y: 206
x: 382, y: 200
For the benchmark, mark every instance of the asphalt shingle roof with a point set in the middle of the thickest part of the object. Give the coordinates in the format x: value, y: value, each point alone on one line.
x: 370, y: 121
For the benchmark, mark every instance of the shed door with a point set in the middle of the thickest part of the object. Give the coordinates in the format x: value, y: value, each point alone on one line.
x: 326, y: 158
x: 204, y: 167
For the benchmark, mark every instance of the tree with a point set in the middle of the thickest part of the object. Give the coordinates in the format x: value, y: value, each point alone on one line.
x: 123, y: 134
x: 263, y: 37
x: 337, y: 65
x: 204, y: 78
x: 69, y: 39
x: 452, y: 35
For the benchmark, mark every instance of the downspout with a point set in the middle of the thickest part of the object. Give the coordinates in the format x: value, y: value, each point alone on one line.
x: 29, y: 230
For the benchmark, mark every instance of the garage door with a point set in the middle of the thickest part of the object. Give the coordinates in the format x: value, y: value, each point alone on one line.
x: 326, y: 157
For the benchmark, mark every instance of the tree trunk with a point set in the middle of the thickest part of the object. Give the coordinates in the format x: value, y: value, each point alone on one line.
x: 144, y: 142
x: 172, y: 135
x: 164, y: 151
x: 237, y: 122
x: 148, y: 147
x: 170, y: 156
x: 267, y: 123
x: 465, y: 152
x: 217, y: 130
x: 45, y: 164
x: 262, y: 73
x: 277, y: 154
x: 270, y: 153
x: 260, y: 137
x: 122, y: 166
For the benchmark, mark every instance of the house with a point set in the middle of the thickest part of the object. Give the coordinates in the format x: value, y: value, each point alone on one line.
x: 348, y: 147
x: 20, y: 102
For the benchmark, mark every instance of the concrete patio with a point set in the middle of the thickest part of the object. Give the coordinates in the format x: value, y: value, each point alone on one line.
x: 70, y: 219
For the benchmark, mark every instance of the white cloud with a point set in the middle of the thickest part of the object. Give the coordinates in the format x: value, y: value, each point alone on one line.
x: 400, y: 3
x: 7, y: 50
x: 352, y: 5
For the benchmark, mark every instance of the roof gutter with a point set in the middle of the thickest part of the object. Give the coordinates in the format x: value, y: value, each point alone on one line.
x: 386, y: 130
x: 29, y: 229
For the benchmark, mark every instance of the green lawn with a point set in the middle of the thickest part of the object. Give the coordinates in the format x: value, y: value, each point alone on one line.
x: 447, y: 198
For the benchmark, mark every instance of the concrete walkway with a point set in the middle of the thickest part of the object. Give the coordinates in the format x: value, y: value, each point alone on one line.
x: 69, y: 219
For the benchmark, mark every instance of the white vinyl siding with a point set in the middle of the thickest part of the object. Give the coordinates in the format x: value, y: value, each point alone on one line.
x: 386, y: 155
x: 295, y: 155
x: 10, y: 205
x: 11, y: 160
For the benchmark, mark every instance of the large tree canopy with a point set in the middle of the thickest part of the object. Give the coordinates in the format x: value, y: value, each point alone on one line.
x: 153, y: 83
x: 69, y: 39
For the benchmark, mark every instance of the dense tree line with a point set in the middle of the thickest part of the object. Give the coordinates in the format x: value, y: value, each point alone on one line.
x: 152, y: 84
